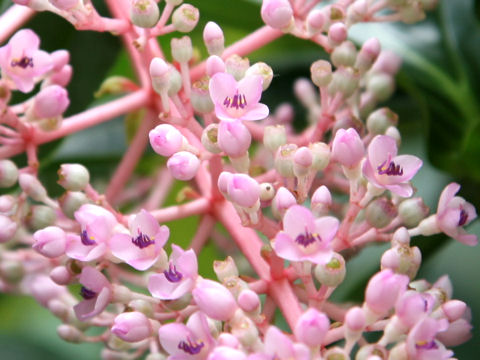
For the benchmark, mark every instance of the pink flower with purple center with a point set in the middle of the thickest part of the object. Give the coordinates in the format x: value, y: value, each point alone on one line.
x: 97, y: 226
x: 237, y: 100
x: 143, y: 246
x: 421, y: 343
x: 304, y: 237
x: 178, y: 279
x: 453, y: 213
x: 279, y: 347
x: 22, y: 62
x: 384, y: 169
x: 96, y: 292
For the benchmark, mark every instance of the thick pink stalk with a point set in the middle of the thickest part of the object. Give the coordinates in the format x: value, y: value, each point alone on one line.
x: 12, y: 19
x: 195, y: 207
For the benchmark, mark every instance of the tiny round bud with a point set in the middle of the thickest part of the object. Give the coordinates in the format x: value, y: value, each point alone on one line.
x: 367, y: 55
x: 347, y: 147
x: 144, y: 13
x: 344, y: 54
x: 8, y: 173
x: 302, y: 161
x: 380, y: 120
x: 393, y: 132
x: 62, y: 77
x: 73, y: 177
x: 213, y: 38
x: 284, y: 113
x: 50, y: 241
x: 311, y: 327
x: 210, y: 139
x: 183, y: 165
x: 243, y: 190
x: 321, y: 73
x: 214, y: 64
x: 284, y: 160
x: 262, y: 69
x: 70, y: 334
x: 381, y: 86
x: 277, y: 13
x: 132, y: 326
x: 214, y: 300
x: 237, y: 66
x: 337, y: 34
x: 40, y: 216
x: 305, y: 92
x: 233, y: 138
x: 9, y: 228
x: 71, y: 202
x: 174, y: 81
x: 267, y: 192
x: 185, y: 18
x: 357, y: 11
x: 160, y: 75
x: 274, y: 136
x: 7, y: 203
x: 412, y: 211
x: 387, y: 62
x: 248, y: 301
x: 402, y: 260
x: 380, y: 212
x: 332, y: 273
x: 321, y: 155
x: 315, y: 21
x: 282, y: 201
x: 166, y: 140
x: 321, y: 201
x: 200, y: 97
x: 182, y: 50
x: 344, y: 81
x: 50, y: 102
x: 60, y: 275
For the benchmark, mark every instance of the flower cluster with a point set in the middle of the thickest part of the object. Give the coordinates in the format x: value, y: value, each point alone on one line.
x: 295, y: 205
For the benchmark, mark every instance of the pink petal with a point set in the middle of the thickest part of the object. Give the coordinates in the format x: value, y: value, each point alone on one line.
x: 320, y: 256
x: 222, y: 85
x: 24, y: 40
x: 93, y: 279
x: 87, y: 309
x: 403, y: 190
x: 162, y: 289
x: 76, y: 250
x: 446, y: 196
x: 287, y: 248
x: 326, y: 227
x: 380, y: 149
x: 276, y: 343
x: 408, y: 163
x: 297, y: 220
x: 251, y: 87
x: 171, y: 335
x: 144, y: 222
x: 257, y: 112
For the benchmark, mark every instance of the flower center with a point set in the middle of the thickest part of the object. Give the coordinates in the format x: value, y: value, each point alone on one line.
x: 463, y: 218
x: 427, y: 345
x: 172, y: 274
x: 142, y: 240
x: 190, y: 347
x: 87, y: 240
x: 238, y: 101
x: 87, y: 294
x: 24, y: 62
x: 391, y: 169
x: 307, y: 238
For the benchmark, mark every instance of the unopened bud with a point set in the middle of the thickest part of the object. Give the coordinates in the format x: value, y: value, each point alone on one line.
x: 412, y: 211
x: 61, y: 275
x: 302, y: 161
x: 185, y: 18
x: 305, y: 92
x: 344, y: 81
x: 337, y: 34
x: 210, y: 139
x: 200, y: 97
x: 357, y: 11
x: 160, y: 75
x: 321, y: 155
x: 332, y: 273
x: 381, y: 86
x: 40, y: 216
x: 70, y: 334
x: 274, y: 136
x: 336, y: 353
x: 213, y: 38
x: 174, y: 81
x: 50, y: 241
x: 237, y: 66
x: 380, y: 212
x: 344, y: 54
x: 183, y: 165
x: 321, y: 201
x: 249, y: 301
x: 315, y: 21
x: 32, y: 187
x: 380, y: 120
x: 393, y: 132
x: 182, y: 50
x: 277, y: 14
x: 321, y: 73
x: 50, y: 102
x: 284, y: 160
x: 7, y: 203
x: 144, y: 13
x: 366, y: 351
x: 262, y: 69
x: 9, y: 228
x: 73, y: 177
x: 214, y: 64
x: 8, y: 173
x: 367, y: 55
x: 166, y: 140
x: 282, y: 201
x: 71, y: 202
x: 267, y: 192
x: 402, y: 260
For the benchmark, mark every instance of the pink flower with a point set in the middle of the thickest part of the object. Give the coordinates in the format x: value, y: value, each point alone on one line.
x: 142, y: 247
x: 384, y: 169
x: 304, y: 237
x: 214, y: 299
x: 50, y: 241
x: 421, y: 343
x: 22, y: 61
x: 96, y: 228
x: 412, y: 306
x: 453, y: 213
x: 96, y: 291
x: 237, y: 100
x: 187, y: 342
x: 178, y: 279
x: 132, y: 326
x: 226, y: 353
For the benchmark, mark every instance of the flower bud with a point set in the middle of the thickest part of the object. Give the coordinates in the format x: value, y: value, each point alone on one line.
x: 8, y: 173
x: 144, y: 13
x: 393, y: 132
x: 402, y: 260
x: 332, y: 273
x: 321, y: 201
x: 225, y: 269
x: 302, y: 161
x: 73, y: 177
x: 214, y: 64
x: 321, y: 155
x: 61, y: 275
x: 71, y: 202
x: 315, y: 21
x: 183, y: 165
x: 226, y: 339
x: 336, y: 353
x: 60, y: 58
x: 213, y: 38
x: 344, y: 54
x: 355, y: 319
x: 274, y: 136
x: 166, y: 140
x: 160, y: 75
x: 210, y: 139
x: 381, y: 86
x: 233, y: 138
x: 9, y: 228
x: 284, y: 113
x: 380, y: 120
x: 70, y: 334
x: 357, y: 11
x: 263, y: 70
x: 182, y: 50
x: 412, y: 211
x: 305, y: 92
x: 367, y: 55
x: 337, y: 34
x: 321, y: 73
x: 277, y: 14
x: 174, y: 81
x: 284, y: 160
x: 40, y: 216
x: 132, y: 326
x: 185, y: 18
x: 387, y: 62
x: 50, y: 102
x: 243, y: 190
x: 222, y: 183
x: 267, y: 192
x: 344, y: 81
x: 237, y: 66
x: 244, y: 329
x: 214, y: 300
x: 312, y: 327
x: 282, y: 201
x: 380, y: 212
x: 249, y: 301
x: 347, y: 147
x: 50, y: 241
x: 200, y: 97
x: 62, y: 77
x: 370, y: 350
x: 7, y: 203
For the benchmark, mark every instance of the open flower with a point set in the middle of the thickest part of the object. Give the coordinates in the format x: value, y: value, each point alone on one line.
x: 96, y: 291
x: 237, y: 100
x: 453, y: 213
x: 143, y: 246
x: 421, y: 343
x: 21, y: 61
x: 384, y: 169
x: 304, y: 237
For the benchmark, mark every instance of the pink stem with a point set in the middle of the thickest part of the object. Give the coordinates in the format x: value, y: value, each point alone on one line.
x: 12, y: 19
x: 195, y: 207
x: 163, y: 184
x: 204, y: 231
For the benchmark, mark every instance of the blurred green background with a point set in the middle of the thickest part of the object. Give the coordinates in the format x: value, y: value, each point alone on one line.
x: 437, y: 99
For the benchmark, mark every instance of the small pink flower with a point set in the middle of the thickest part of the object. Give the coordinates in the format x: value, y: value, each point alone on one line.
x: 453, y: 213
x: 421, y: 343
x: 187, y: 342
x: 214, y: 300
x: 384, y: 169
x: 142, y: 247
x: 96, y: 228
x: 277, y: 13
x: 304, y: 237
x: 50, y: 241
x: 96, y: 291
x: 280, y: 347
x: 226, y: 353
x: 237, y: 100
x: 412, y: 306
x: 178, y: 279
x: 132, y: 326
x: 22, y: 61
